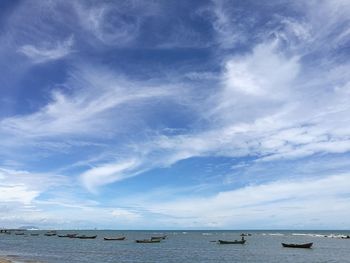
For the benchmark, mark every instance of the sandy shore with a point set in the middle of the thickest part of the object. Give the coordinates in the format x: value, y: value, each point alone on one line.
x: 9, y: 260
x: 4, y: 260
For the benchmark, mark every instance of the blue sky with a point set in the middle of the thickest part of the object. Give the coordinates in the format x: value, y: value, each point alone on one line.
x: 175, y: 114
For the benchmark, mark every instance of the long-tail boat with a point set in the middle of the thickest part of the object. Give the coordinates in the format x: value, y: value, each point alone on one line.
x: 114, y: 238
x: 68, y: 235
x: 86, y: 237
x: 224, y: 242
x: 306, y: 245
x: 51, y: 233
x: 148, y: 241
x: 159, y: 237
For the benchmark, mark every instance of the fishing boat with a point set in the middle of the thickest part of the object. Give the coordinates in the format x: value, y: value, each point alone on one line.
x: 19, y: 234
x: 148, y: 241
x: 306, y: 245
x: 114, y: 238
x: 68, y: 235
x: 159, y: 237
x: 34, y: 234
x: 224, y: 242
x: 51, y: 233
x: 86, y: 237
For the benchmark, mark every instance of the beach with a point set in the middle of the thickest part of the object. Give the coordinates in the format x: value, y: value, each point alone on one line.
x: 4, y: 260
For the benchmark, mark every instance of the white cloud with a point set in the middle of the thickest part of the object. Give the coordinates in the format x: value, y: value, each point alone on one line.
x: 108, y: 173
x: 45, y: 52
x: 124, y: 215
x: 226, y: 26
x: 36, y: 182
x: 94, y: 108
x: 108, y: 23
x: 264, y: 109
x: 289, y: 203
x: 262, y: 73
x: 17, y: 193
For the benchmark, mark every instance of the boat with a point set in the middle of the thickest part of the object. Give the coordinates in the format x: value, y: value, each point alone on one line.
x: 86, y: 237
x: 306, y: 245
x: 68, y: 235
x: 19, y: 234
x: 224, y: 242
x: 51, y: 233
x: 148, y: 241
x: 34, y: 234
x: 114, y: 238
x: 159, y: 237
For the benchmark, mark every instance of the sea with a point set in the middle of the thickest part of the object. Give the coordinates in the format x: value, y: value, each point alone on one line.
x: 178, y: 247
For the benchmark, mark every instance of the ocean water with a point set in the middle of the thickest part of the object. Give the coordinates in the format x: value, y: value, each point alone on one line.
x: 179, y: 247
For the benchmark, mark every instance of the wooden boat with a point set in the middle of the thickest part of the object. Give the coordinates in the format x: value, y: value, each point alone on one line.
x: 159, y: 237
x: 306, y: 245
x: 223, y: 242
x: 114, y: 238
x: 86, y: 237
x: 148, y: 241
x: 50, y: 233
x: 19, y: 234
x: 34, y: 234
x: 68, y: 235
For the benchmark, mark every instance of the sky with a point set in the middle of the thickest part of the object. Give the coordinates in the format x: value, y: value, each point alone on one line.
x: 175, y: 114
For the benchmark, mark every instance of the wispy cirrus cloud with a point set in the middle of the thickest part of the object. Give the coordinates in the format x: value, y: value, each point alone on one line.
x: 109, y: 173
x: 109, y: 23
x: 98, y: 95
x: 46, y: 52
x: 262, y: 110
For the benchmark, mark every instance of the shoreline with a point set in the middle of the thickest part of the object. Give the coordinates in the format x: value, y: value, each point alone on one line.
x: 9, y: 259
x: 5, y: 260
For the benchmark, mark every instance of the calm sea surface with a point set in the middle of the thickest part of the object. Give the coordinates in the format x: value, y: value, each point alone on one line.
x: 179, y: 247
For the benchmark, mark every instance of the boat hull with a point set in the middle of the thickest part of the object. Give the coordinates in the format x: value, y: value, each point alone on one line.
x: 223, y: 242
x: 114, y: 239
x: 148, y: 241
x: 306, y: 245
x: 86, y: 237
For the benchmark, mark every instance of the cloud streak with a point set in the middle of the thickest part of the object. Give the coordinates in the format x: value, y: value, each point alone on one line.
x: 48, y: 52
x: 87, y: 111
x: 289, y: 203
